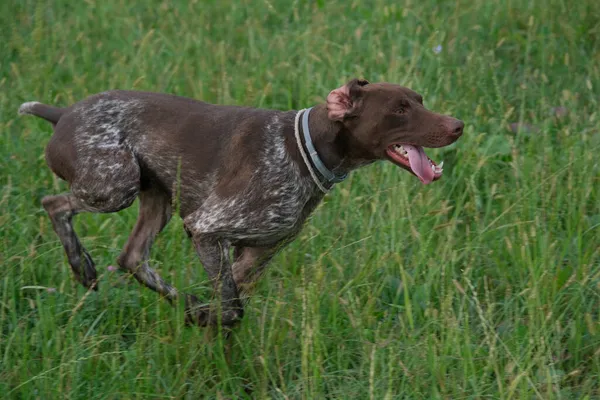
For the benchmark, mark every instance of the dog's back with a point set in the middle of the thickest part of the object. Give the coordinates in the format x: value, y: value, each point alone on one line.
x: 175, y: 143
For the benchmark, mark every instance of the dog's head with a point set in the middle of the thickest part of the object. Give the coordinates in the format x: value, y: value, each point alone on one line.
x: 387, y: 121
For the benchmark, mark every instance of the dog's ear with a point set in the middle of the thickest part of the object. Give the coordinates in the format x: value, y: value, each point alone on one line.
x: 342, y: 101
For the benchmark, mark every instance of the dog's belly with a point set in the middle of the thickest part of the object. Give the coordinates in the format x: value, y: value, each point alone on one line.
x: 273, y: 234
x: 251, y: 218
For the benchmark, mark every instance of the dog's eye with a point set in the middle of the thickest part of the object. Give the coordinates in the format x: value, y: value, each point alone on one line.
x: 400, y: 110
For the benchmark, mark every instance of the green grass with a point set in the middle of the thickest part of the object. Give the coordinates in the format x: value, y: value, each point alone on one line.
x: 485, y: 284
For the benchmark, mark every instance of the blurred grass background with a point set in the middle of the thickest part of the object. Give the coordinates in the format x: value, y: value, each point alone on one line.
x: 485, y: 284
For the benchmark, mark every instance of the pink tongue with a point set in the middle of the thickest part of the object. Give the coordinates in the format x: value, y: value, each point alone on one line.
x: 419, y: 163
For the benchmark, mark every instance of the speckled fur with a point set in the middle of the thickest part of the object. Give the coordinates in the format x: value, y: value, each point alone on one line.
x: 110, y: 175
x: 276, y: 184
x: 283, y: 193
x: 235, y: 174
x: 114, y: 148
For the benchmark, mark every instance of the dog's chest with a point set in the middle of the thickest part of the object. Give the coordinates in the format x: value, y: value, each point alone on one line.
x: 272, y: 206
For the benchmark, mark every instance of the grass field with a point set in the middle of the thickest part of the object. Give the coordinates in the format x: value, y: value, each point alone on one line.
x: 485, y: 284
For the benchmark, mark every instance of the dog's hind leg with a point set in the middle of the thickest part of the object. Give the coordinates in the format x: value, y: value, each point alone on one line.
x: 155, y: 213
x: 108, y: 184
x: 61, y: 209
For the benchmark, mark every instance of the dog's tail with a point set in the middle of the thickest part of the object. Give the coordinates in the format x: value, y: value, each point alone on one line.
x: 49, y: 113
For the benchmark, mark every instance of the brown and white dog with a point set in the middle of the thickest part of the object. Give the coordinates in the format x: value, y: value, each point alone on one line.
x: 246, y: 179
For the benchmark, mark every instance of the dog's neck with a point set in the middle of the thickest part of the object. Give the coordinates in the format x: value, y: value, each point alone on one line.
x: 332, y: 142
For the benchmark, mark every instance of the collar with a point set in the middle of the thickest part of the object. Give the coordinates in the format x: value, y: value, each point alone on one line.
x: 311, y: 158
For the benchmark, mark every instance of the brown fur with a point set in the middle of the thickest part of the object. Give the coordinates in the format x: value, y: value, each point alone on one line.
x: 238, y: 171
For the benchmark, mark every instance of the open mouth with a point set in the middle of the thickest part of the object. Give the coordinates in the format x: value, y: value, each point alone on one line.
x: 414, y: 159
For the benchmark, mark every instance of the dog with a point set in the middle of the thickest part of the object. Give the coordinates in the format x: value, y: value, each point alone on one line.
x: 245, y: 179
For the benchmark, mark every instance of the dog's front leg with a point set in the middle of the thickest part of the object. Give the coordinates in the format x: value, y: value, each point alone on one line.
x: 214, y: 255
x: 249, y: 264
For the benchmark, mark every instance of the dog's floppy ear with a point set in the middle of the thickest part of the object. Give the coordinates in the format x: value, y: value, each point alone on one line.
x: 343, y: 100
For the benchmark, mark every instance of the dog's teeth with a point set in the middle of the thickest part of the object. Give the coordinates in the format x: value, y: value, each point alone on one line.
x: 400, y: 150
x: 441, y: 165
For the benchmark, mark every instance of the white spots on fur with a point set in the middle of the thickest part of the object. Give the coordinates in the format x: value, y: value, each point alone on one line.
x: 109, y: 174
x: 271, y: 207
x: 107, y: 122
x: 27, y: 108
x: 108, y: 146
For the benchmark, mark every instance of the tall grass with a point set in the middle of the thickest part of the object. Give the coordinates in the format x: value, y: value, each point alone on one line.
x: 485, y: 284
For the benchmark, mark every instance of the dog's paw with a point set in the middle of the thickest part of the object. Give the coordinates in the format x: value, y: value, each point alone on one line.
x: 89, y: 275
x: 203, y: 315
x: 195, y: 312
x: 231, y: 316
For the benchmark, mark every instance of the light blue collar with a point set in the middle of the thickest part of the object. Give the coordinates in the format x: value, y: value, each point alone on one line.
x: 330, y: 178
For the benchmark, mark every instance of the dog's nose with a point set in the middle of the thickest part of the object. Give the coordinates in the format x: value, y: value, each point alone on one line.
x: 455, y: 127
